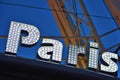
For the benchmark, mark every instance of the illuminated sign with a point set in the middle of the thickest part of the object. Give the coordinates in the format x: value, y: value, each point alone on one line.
x: 51, y: 49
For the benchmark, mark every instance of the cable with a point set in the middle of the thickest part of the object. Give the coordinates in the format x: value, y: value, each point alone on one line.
x: 59, y: 37
x: 59, y: 10
x: 75, y: 7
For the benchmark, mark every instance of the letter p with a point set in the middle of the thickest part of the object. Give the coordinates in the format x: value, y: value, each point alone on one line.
x: 14, y: 36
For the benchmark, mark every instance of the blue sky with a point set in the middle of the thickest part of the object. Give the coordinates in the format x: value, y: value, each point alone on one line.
x: 45, y: 22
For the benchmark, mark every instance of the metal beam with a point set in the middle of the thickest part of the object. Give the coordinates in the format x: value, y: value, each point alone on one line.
x: 113, y: 47
x: 118, y: 49
x: 92, y: 25
x: 65, y: 25
x: 114, y: 8
x: 109, y: 32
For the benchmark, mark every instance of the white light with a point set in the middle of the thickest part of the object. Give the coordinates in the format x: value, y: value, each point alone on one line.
x: 93, y: 58
x: 56, y: 49
x: 94, y: 44
x: 74, y: 50
x: 14, y: 36
x: 113, y: 67
x: 43, y: 50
